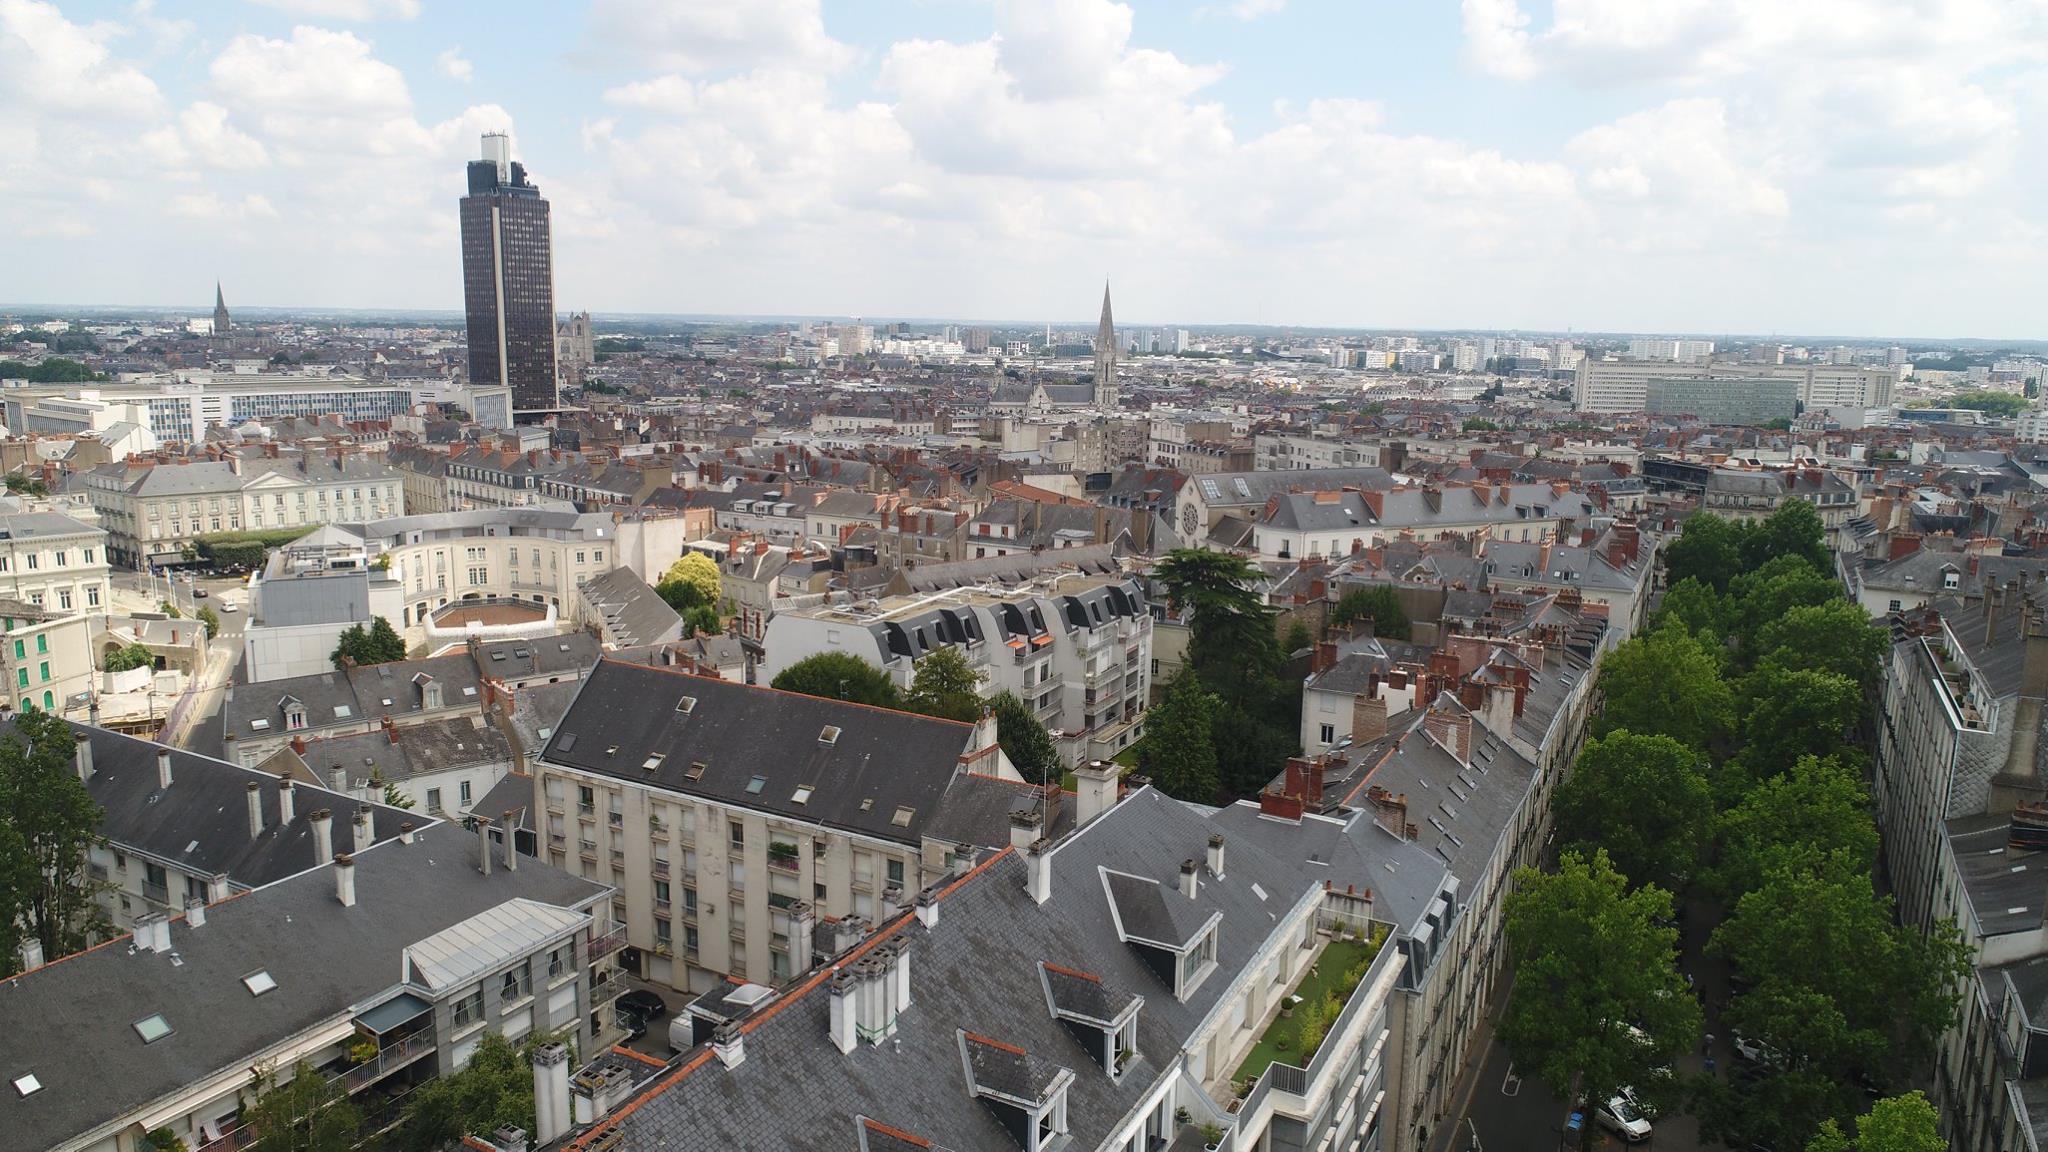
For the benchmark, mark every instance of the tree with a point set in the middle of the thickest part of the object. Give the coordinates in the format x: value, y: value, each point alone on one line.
x: 129, y: 656
x: 211, y: 619
x: 1708, y: 549
x: 1296, y: 638
x: 1905, y: 1123
x: 839, y: 676
x: 1695, y: 607
x: 1377, y: 602
x: 1794, y: 712
x: 1646, y: 800
x: 50, y: 822
x: 1765, y: 593
x: 169, y: 609
x: 1025, y: 741
x: 1793, y: 529
x: 395, y: 798
x: 699, y: 572
x: 945, y: 685
x: 1836, y: 636
x: 1598, y: 1001
x: 378, y: 644
x: 1178, y: 751
x: 1817, y: 812
x: 1664, y: 683
x: 493, y: 1090
x: 308, y: 1113
x: 1234, y: 652
x: 1480, y: 424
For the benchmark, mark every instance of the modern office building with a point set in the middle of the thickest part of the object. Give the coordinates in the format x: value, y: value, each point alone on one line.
x: 178, y: 407
x: 1752, y: 400
x: 508, y: 280
x: 1622, y: 386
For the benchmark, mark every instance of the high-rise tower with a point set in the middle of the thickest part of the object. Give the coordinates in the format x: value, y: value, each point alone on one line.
x: 220, y: 311
x: 1105, y: 357
x: 508, y: 281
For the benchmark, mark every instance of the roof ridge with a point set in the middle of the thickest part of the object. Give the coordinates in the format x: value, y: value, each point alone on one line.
x: 785, y: 691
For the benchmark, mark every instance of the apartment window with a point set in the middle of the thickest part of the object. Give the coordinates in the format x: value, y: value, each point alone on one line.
x: 586, y: 799
x: 43, y: 670
x: 1327, y: 734
x: 736, y: 833
x: 689, y: 901
x: 598, y: 556
x: 468, y: 1010
x: 63, y: 598
x: 92, y: 596
x: 516, y: 984
x: 579, y: 558
x: 896, y: 873
x: 1894, y: 607
x: 21, y: 680
x: 464, y: 787
x: 690, y: 939
x: 21, y: 649
x: 558, y: 962
x: 32, y: 562
x: 88, y: 556
x: 661, y: 893
x: 664, y: 933
x: 61, y: 554
x: 433, y: 799
x: 42, y: 644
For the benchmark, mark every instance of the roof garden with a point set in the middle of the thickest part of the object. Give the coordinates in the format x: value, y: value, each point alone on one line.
x: 1313, y: 1005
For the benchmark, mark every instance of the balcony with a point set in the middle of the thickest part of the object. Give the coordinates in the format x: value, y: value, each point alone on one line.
x: 156, y: 893
x: 389, y: 1059
x: 1291, y: 1054
x: 605, y: 945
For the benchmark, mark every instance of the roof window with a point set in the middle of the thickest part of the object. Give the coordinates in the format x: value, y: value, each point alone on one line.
x: 830, y: 735
x: 686, y: 705
x: 27, y: 1084
x: 755, y: 785
x: 152, y: 1028
x: 802, y: 795
x: 259, y: 982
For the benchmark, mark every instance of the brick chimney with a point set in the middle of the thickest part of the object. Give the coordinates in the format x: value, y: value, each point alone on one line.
x: 1368, y: 718
x: 1451, y: 727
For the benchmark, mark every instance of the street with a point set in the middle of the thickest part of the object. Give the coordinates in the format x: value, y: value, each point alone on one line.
x: 193, y: 718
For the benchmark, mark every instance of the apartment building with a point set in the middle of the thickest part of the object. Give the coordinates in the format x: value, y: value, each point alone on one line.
x: 1284, y: 452
x: 1206, y: 500
x: 735, y: 820
x: 1623, y: 386
x: 1338, y: 522
x: 55, y: 562
x: 1744, y: 495
x: 1615, y: 568
x: 46, y: 658
x: 377, y: 968
x: 154, y: 511
x: 1107, y: 991
x: 1076, y: 649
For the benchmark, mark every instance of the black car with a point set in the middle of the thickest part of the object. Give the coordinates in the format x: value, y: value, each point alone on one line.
x: 199, y: 593
x: 641, y: 1003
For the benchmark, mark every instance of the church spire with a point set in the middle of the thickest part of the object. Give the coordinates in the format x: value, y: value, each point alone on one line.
x: 1105, y: 357
x: 220, y: 310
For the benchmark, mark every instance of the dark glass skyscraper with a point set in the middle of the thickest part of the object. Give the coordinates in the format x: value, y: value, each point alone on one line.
x: 508, y: 280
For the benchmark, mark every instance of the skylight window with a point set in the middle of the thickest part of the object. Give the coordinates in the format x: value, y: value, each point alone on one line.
x: 469, y: 690
x: 686, y: 705
x: 829, y: 736
x: 902, y: 817
x: 152, y: 1028
x: 27, y: 1084
x: 343, y: 711
x: 755, y: 785
x: 695, y: 771
x: 259, y: 982
x: 802, y: 794
x: 654, y: 761
x: 260, y: 725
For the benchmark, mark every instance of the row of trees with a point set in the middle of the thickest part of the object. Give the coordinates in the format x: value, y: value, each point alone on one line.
x: 1723, y: 766
x: 945, y: 685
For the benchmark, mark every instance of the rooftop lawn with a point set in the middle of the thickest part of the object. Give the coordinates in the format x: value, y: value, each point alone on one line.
x: 1325, y: 977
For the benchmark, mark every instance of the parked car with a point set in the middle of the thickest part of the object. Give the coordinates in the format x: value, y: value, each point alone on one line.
x: 1621, y: 1116
x: 230, y: 606
x: 1758, y: 1052
x: 642, y: 1003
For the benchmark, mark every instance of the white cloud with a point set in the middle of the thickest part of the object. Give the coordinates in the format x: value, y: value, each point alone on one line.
x: 1253, y: 9
x: 55, y: 66
x: 352, y: 11
x: 208, y: 206
x: 317, y: 72
x: 452, y: 65
x: 705, y: 35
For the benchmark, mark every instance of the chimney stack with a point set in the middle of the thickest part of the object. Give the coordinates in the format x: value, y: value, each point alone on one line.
x: 1038, y: 865
x: 82, y: 756
x: 345, y: 880
x: 285, y: 792
x: 195, y: 912
x: 1024, y: 828
x: 1188, y: 887
x: 1216, y: 855
x: 729, y: 1044
x: 31, y: 952
x: 483, y: 843
x: 550, y: 1094
x: 255, y: 809
x: 365, y: 831
x: 163, y: 768
x: 845, y: 1012
x: 323, y: 836
x: 405, y: 832
x: 1095, y: 789
x: 1368, y: 719
x: 337, y: 779
x: 511, y: 825
x: 216, y: 887
x: 153, y: 932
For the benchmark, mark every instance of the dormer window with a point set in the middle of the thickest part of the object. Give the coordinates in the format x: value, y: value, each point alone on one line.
x: 1950, y: 579
x: 1196, y: 963
x: 1027, y: 1095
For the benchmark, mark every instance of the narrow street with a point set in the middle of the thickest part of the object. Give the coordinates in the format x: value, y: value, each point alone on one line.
x: 193, y: 719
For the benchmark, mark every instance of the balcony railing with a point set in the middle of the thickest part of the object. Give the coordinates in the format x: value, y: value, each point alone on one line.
x: 156, y: 893
x: 388, y: 1060
x: 1292, y: 1079
x: 605, y: 945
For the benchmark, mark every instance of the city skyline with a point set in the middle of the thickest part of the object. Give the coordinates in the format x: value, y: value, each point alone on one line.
x: 1504, y: 169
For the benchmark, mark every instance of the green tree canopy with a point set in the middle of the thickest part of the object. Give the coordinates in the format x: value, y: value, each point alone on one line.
x: 1695, y: 607
x: 1377, y: 602
x: 377, y: 644
x: 1708, y: 549
x: 1025, y: 741
x: 1905, y: 1123
x: 210, y: 619
x: 839, y: 676
x: 1766, y: 593
x: 1591, y: 963
x: 1645, y: 800
x: 130, y: 656
x: 1178, y: 751
x: 1233, y: 650
x: 1994, y: 403
x: 1793, y: 529
x: 493, y: 1090
x: 1664, y: 683
x: 1836, y: 636
x: 1815, y: 814
x: 697, y: 571
x: 50, y: 822
x: 1794, y: 712
x: 946, y: 685
x: 307, y: 1113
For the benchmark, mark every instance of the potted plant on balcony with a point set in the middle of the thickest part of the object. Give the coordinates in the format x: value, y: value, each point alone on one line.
x: 362, y: 1050
x: 1212, y: 1137
x: 781, y: 854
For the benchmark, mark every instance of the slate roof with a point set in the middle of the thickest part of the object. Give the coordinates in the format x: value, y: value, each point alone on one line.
x: 1253, y: 489
x: 2003, y: 885
x: 883, y: 773
x: 363, y: 691
x: 201, y: 822
x: 432, y: 746
x: 325, y: 958
x: 976, y: 970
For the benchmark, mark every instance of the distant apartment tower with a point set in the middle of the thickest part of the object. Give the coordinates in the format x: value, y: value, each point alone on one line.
x: 1683, y: 351
x: 508, y: 281
x: 975, y: 340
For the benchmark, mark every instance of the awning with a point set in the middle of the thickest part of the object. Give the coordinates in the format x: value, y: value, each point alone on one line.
x: 398, y: 1010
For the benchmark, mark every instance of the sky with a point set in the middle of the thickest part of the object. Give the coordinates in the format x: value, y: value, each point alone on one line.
x: 1819, y: 167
